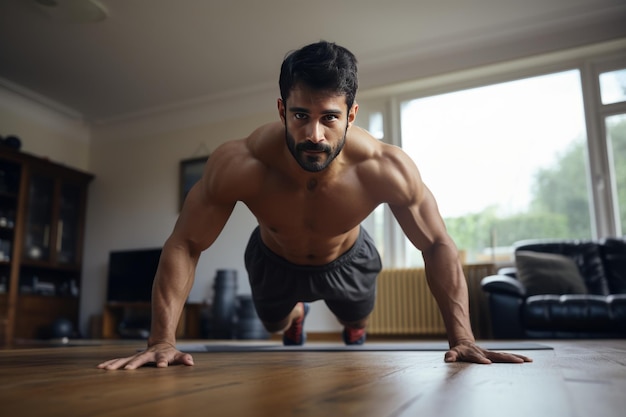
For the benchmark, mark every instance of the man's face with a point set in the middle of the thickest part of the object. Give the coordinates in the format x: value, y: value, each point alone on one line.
x: 316, y: 124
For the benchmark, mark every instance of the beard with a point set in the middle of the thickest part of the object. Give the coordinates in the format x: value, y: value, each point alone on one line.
x: 319, y: 161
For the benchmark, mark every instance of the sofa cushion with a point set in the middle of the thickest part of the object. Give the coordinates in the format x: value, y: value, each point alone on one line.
x: 547, y: 273
x: 586, y: 255
x: 576, y: 313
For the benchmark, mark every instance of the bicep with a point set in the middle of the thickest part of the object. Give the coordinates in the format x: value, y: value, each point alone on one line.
x: 420, y: 220
x: 412, y: 203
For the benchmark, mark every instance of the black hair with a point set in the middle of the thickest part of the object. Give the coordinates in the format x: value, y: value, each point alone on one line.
x: 320, y: 66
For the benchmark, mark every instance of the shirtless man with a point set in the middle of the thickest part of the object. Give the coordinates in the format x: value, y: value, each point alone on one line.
x: 310, y: 180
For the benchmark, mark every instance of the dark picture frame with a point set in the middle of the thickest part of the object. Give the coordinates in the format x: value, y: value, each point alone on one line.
x: 190, y: 172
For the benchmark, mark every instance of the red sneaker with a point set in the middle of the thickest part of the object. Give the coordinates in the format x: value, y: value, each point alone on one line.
x: 295, y: 335
x: 353, y: 336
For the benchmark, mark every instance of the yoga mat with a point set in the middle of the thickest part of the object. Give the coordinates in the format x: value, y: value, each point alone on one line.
x: 339, y: 347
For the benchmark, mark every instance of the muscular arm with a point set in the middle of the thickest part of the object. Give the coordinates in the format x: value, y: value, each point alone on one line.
x: 416, y: 210
x: 200, y: 222
x: 205, y: 212
x: 423, y: 225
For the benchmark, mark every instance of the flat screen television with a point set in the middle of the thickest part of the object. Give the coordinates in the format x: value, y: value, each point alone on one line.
x: 131, y: 273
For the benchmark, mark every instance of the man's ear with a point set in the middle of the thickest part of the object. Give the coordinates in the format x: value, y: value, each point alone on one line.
x: 352, y: 113
x: 281, y: 110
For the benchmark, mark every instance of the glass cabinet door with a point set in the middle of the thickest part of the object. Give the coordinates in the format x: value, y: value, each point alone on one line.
x: 68, y: 223
x: 9, y: 185
x: 37, y: 245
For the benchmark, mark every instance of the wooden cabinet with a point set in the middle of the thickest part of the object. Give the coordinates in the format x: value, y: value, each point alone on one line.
x: 42, y: 216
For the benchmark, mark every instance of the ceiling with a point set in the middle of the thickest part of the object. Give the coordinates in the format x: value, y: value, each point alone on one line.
x: 150, y: 55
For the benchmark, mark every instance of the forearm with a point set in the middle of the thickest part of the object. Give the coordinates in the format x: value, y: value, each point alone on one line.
x: 449, y: 287
x: 172, y: 284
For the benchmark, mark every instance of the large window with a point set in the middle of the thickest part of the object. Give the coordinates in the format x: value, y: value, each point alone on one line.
x: 506, y: 162
x: 541, y: 155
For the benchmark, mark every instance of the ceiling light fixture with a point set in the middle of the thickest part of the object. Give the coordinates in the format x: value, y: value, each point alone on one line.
x: 73, y: 11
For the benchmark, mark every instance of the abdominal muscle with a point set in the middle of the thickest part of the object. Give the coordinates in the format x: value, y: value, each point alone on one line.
x: 306, y: 247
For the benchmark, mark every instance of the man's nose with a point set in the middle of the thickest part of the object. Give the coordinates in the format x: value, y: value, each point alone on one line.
x: 315, y: 132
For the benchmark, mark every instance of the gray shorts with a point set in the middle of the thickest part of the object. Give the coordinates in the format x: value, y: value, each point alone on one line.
x: 347, y: 284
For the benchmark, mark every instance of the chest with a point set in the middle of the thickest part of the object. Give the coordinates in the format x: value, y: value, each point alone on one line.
x: 314, y: 206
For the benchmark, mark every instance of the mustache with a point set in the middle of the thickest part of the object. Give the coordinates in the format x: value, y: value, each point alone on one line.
x: 314, y: 147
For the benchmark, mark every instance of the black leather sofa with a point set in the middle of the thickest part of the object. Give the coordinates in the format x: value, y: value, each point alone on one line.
x: 560, y: 289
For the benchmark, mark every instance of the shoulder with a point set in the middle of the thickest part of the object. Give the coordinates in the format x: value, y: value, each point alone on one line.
x: 236, y: 167
x: 388, y: 171
x: 249, y: 148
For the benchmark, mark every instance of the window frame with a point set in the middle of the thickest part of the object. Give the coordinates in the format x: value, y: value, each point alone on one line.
x: 604, y: 191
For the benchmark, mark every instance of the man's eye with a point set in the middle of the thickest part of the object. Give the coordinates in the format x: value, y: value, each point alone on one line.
x: 300, y: 116
x: 331, y: 117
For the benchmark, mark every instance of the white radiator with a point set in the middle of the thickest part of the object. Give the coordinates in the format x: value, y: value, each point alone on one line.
x: 405, y: 305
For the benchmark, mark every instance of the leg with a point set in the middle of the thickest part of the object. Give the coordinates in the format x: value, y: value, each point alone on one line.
x: 291, y: 324
x: 354, y: 332
x: 282, y: 325
x: 294, y: 335
x: 354, y: 288
x: 273, y: 295
x: 347, y: 313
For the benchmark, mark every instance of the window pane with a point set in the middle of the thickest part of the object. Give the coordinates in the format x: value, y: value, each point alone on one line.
x: 613, y: 86
x: 505, y: 162
x: 616, y: 132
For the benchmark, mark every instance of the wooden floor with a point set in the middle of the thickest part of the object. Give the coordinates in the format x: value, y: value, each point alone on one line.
x: 576, y: 378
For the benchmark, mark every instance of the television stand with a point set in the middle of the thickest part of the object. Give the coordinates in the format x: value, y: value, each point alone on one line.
x: 189, y: 325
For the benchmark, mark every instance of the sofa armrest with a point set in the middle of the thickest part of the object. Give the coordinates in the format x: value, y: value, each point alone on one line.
x: 503, y: 284
x: 506, y: 297
x: 509, y: 271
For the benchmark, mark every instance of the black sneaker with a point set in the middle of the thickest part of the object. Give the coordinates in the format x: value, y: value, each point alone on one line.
x: 295, y: 335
